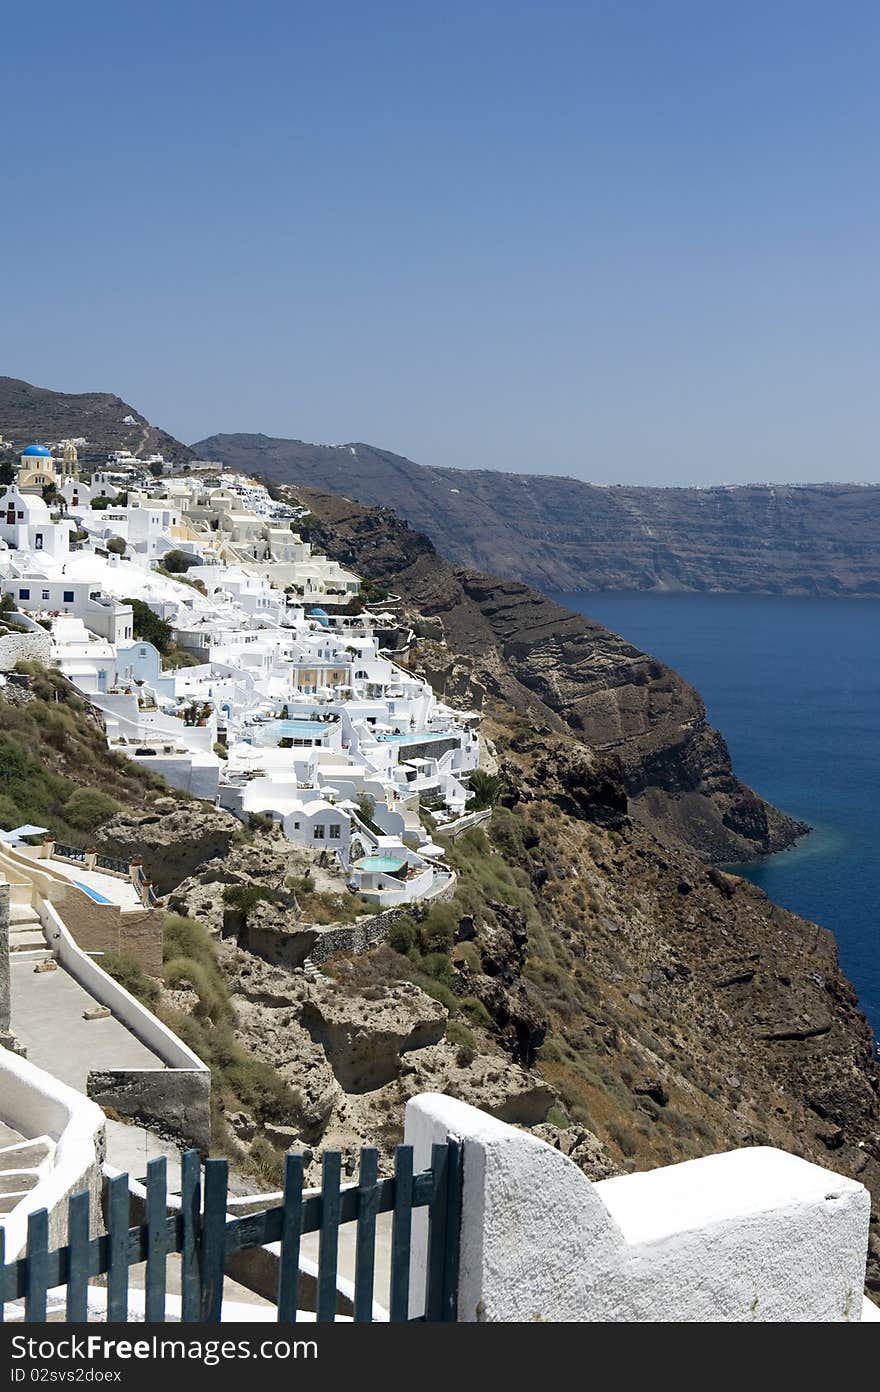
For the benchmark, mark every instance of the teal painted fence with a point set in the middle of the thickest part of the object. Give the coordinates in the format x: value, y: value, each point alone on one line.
x: 204, y: 1235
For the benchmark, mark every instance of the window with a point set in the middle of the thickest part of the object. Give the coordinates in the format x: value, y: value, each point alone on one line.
x: 334, y: 833
x: 38, y: 541
x: 296, y: 826
x: 24, y: 594
x: 319, y: 831
x: 68, y: 597
x: 45, y: 594
x: 142, y: 652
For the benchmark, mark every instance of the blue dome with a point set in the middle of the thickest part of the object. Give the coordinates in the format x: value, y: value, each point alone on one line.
x: 321, y: 616
x: 39, y: 450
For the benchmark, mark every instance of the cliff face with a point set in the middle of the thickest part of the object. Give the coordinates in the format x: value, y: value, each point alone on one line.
x: 562, y: 534
x: 568, y: 674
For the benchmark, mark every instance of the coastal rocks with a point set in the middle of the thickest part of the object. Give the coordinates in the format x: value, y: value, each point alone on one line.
x: 173, y: 838
x: 365, y: 1035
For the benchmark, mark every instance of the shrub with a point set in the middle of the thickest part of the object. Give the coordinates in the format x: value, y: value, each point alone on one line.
x: 86, y: 808
x: 179, y: 562
x: 116, y: 545
x: 246, y: 897
x: 149, y: 626
x: 437, y: 929
x: 129, y: 973
x: 476, y: 1011
x: 184, y: 937
x: 404, y: 935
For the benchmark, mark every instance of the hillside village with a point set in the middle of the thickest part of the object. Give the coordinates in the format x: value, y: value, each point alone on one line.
x: 226, y: 656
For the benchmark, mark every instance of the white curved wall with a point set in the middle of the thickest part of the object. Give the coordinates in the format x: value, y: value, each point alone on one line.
x: 36, y: 1104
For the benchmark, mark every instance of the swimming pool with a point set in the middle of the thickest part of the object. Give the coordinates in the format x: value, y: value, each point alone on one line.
x: 92, y: 893
x: 418, y: 739
x: 375, y: 863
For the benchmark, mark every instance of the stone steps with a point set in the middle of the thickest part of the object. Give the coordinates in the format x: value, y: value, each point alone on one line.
x: 22, y: 1165
x: 22, y: 913
x: 28, y: 940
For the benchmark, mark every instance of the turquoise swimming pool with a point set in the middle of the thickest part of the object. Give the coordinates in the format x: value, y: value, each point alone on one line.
x: 418, y: 739
x: 92, y: 893
x: 376, y: 863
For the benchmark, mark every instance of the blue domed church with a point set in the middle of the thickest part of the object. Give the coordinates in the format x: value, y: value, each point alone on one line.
x: 38, y: 467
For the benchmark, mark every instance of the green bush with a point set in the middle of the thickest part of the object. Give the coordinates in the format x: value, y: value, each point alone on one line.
x: 208, y: 984
x: 437, y: 929
x: 184, y: 937
x: 86, y: 808
x: 404, y: 935
x: 179, y: 562
x: 246, y: 897
x: 149, y: 627
x: 130, y: 974
x: 116, y: 545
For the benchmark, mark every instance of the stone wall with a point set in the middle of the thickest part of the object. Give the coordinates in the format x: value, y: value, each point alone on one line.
x: 356, y: 937
x: 137, y: 933
x: 33, y: 646
x: 174, y: 1101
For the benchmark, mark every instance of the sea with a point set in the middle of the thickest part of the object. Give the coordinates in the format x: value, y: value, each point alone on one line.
x: 794, y: 687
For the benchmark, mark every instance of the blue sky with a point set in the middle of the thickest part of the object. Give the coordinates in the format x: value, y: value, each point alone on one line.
x: 630, y: 241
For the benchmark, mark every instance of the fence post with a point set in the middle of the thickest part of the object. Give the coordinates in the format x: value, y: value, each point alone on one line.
x: 291, y: 1233
x: 401, y: 1233
x: 78, y: 1258
x: 214, y: 1239
x: 157, y: 1213
x: 190, y: 1253
x: 365, y: 1258
x: 328, y: 1241
x: 37, y: 1267
x: 117, y: 1230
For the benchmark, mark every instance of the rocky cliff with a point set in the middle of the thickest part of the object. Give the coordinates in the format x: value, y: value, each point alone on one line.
x: 563, y: 534
x: 568, y: 674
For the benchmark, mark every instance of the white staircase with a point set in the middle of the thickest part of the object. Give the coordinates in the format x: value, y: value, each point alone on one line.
x: 26, y: 937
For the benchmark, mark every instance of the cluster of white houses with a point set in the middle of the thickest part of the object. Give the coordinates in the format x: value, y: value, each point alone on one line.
x: 270, y: 689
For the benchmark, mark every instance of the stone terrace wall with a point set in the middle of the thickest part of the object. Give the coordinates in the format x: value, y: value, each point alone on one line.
x: 24, y: 647
x: 357, y: 937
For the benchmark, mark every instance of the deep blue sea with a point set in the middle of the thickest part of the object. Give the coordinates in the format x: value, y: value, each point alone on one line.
x: 794, y: 687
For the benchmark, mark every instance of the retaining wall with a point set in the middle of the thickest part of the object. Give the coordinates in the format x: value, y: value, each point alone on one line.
x: 24, y: 647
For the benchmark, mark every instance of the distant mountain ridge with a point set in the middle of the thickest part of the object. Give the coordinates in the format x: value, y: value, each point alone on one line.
x: 29, y: 414
x: 563, y: 534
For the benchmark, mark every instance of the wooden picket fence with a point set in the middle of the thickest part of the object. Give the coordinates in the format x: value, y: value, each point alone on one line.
x: 204, y: 1235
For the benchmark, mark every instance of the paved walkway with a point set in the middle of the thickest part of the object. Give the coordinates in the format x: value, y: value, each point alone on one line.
x: 47, y: 1016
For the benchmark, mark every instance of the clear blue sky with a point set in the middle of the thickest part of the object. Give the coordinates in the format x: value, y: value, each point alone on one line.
x: 631, y: 240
